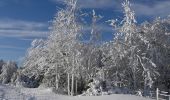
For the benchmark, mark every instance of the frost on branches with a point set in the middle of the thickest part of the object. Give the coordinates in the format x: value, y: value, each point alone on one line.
x: 130, y: 55
x: 137, y: 59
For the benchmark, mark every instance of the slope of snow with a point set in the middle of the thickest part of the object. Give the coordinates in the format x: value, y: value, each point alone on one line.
x: 13, y: 93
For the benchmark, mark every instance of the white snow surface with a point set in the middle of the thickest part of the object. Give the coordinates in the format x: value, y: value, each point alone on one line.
x: 19, y: 93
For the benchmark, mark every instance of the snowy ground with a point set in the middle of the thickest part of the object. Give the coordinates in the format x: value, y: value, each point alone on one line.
x: 13, y: 93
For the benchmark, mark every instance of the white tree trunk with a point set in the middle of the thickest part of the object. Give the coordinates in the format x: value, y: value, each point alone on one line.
x: 68, y: 83
x: 157, y: 94
x: 57, y: 81
x: 72, y: 85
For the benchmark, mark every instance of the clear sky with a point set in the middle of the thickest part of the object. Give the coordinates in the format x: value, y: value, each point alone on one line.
x: 21, y: 21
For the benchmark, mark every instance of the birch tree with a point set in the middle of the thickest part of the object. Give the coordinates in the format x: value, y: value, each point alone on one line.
x: 63, y: 41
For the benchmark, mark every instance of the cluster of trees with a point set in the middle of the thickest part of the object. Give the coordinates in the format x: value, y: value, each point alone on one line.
x: 138, y: 57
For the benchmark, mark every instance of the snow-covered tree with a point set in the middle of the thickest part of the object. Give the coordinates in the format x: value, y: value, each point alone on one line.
x: 34, y: 57
x: 62, y: 43
x: 34, y: 65
x: 8, y: 69
x: 132, y: 62
x: 157, y: 40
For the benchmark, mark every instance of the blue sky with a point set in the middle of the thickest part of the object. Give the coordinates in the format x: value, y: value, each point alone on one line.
x: 21, y: 21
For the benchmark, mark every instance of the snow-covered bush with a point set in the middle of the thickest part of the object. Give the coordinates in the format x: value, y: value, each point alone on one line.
x: 96, y: 87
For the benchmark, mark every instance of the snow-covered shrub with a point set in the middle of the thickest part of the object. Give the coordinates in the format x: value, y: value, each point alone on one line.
x: 139, y: 93
x: 96, y: 87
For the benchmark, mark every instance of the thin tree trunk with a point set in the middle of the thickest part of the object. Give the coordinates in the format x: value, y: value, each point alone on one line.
x: 157, y: 94
x: 103, y: 76
x: 76, y: 87
x: 72, y: 86
x: 134, y: 79
x: 57, y: 81
x: 68, y: 77
x: 144, y: 86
